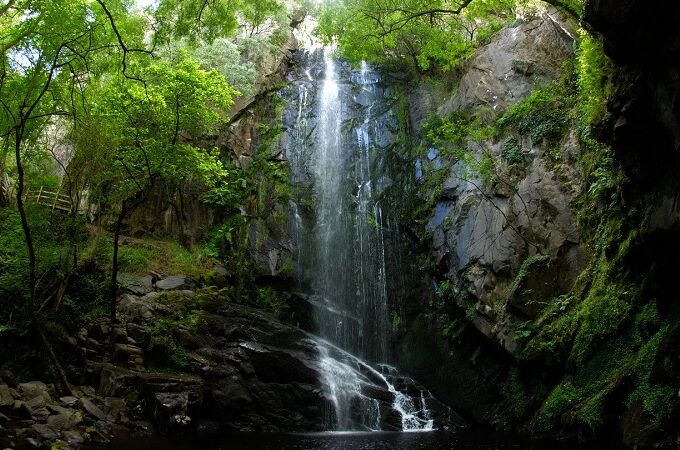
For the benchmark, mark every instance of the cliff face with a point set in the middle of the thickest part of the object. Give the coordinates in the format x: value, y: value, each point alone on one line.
x: 502, y: 246
x: 248, y: 141
x: 482, y: 236
x: 553, y: 309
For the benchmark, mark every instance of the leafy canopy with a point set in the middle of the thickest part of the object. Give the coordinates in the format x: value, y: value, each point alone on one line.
x: 421, y: 33
x: 146, y: 132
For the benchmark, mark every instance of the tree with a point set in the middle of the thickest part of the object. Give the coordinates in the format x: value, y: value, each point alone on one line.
x: 48, y: 49
x: 422, y: 33
x: 146, y: 137
x: 209, y: 19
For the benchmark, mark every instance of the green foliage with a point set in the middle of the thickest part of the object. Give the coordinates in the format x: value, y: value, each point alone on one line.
x: 511, y: 151
x: 229, y: 188
x: 55, y: 235
x: 416, y: 33
x: 144, y: 255
x: 529, y: 264
x: 593, y: 69
x: 268, y: 300
x: 611, y: 338
x: 209, y: 20
x: 523, y: 329
x: 225, y: 56
x: 544, y: 115
x: 396, y: 321
x: 520, y: 394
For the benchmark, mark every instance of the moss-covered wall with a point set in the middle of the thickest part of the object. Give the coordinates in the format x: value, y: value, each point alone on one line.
x: 586, y: 350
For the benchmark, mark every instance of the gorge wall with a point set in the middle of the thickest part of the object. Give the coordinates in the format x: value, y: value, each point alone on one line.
x: 546, y: 306
x: 528, y: 257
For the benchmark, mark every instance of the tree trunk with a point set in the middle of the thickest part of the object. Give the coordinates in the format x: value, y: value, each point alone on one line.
x: 32, y: 262
x: 24, y: 220
x: 63, y: 381
x: 125, y: 209
x: 114, y: 264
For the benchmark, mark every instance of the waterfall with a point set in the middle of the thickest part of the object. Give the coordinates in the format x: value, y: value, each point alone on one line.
x: 334, y: 144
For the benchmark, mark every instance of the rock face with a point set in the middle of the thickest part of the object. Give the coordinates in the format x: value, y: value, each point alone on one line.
x: 504, y: 251
x: 481, y: 238
x: 643, y: 130
x: 243, y: 369
x: 509, y: 68
x: 34, y: 417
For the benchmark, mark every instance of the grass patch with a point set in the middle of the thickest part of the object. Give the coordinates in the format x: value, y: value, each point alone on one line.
x: 143, y: 255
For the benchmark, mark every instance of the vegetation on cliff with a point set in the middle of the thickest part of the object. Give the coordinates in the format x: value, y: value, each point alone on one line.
x: 110, y: 113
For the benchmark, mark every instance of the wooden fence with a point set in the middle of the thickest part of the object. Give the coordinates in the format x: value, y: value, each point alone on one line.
x: 50, y: 199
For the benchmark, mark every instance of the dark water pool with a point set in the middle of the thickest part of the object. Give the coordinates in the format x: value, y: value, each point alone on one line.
x: 435, y: 440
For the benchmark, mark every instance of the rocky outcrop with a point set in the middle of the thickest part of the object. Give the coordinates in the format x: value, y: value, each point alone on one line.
x: 502, y: 250
x: 482, y: 237
x: 236, y: 363
x: 186, y: 361
x: 180, y: 361
x: 517, y: 60
x: 33, y: 416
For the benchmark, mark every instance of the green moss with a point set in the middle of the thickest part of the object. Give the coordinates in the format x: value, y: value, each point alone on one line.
x: 657, y: 399
x: 543, y: 115
x: 561, y: 399
x: 593, y: 70
x: 529, y: 264
x: 628, y: 356
x: 511, y: 151
x: 516, y: 393
x: 180, y: 357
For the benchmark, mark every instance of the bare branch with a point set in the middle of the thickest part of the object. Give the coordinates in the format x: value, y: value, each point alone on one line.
x: 122, y: 44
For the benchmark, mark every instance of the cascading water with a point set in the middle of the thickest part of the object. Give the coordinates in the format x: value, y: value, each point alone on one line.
x: 337, y: 129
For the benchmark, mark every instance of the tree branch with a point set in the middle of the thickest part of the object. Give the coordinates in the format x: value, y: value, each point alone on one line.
x: 122, y: 44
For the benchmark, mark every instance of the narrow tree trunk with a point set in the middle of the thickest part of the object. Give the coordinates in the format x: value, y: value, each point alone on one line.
x: 4, y: 195
x: 28, y: 237
x: 63, y: 381
x: 24, y: 220
x: 114, y: 264
x: 125, y: 209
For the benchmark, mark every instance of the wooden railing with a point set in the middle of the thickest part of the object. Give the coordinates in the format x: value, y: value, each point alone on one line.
x: 51, y: 199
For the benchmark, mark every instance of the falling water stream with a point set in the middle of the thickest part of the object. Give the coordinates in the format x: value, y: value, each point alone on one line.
x: 332, y: 146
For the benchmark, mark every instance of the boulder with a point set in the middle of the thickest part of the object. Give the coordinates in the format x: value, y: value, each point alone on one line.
x: 135, y: 284
x: 20, y: 410
x: 115, y: 409
x: 69, y: 401
x: 45, y: 432
x: 136, y: 309
x: 7, y: 377
x: 6, y: 398
x: 228, y: 397
x: 127, y: 355
x: 169, y: 411
x: 92, y: 409
x: 175, y: 282
x: 72, y: 437
x: 33, y: 389
x: 65, y: 420
x: 117, y: 381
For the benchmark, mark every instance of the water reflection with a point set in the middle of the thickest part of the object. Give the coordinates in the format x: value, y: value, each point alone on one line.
x: 476, y: 440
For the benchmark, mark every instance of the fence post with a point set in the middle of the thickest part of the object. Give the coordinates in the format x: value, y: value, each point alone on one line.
x: 56, y: 197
